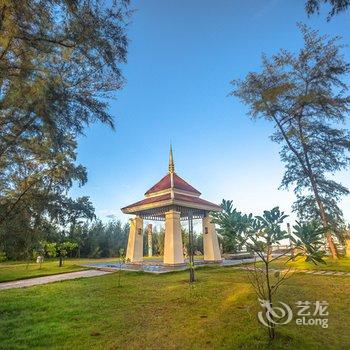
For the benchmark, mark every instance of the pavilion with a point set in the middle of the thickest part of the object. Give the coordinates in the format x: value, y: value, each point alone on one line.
x: 171, y: 200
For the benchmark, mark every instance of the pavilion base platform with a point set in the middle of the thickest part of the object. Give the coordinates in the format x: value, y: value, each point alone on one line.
x: 158, y: 267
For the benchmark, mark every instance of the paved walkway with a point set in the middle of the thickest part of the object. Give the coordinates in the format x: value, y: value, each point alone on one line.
x: 157, y: 267
x: 311, y: 272
x: 92, y: 273
x: 49, y: 279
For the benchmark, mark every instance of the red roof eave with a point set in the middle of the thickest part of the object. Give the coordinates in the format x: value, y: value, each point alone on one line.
x: 166, y: 199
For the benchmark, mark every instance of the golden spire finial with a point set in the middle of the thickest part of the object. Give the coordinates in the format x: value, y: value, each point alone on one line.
x: 171, y: 161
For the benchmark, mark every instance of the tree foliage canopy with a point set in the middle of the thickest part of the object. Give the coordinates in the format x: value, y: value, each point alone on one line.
x: 60, y: 62
x: 337, y: 6
x: 306, y: 98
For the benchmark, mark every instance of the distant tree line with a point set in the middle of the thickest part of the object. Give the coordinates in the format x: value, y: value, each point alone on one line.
x: 158, y: 241
x: 90, y: 240
x: 86, y: 239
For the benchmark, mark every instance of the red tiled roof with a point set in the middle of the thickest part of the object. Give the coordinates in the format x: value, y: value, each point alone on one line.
x: 196, y: 200
x: 177, y: 198
x: 179, y: 184
x: 149, y: 200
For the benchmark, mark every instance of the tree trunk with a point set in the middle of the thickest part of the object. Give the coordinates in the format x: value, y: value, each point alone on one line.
x: 271, y: 327
x: 308, y: 172
x: 347, y: 247
x: 292, y: 249
x: 269, y: 253
x: 190, y: 241
x: 331, y: 245
x: 328, y: 234
x: 319, y: 202
x: 61, y: 262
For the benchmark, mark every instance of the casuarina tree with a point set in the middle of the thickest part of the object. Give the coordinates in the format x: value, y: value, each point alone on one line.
x: 305, y: 97
x: 337, y: 6
x: 60, y: 62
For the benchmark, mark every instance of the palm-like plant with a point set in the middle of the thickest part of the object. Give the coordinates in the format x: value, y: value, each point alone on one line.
x: 268, y: 229
x: 259, y: 234
x: 308, y: 239
x: 233, y: 225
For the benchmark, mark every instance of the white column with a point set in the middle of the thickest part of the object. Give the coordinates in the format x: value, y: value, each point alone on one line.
x: 210, y: 241
x: 149, y: 239
x: 134, y: 252
x: 173, y: 252
x: 347, y: 247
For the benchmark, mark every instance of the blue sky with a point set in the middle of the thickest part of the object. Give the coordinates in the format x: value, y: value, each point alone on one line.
x: 182, y: 56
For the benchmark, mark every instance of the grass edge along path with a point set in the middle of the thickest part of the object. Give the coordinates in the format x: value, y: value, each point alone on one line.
x: 36, y: 281
x: 15, y: 271
x: 340, y: 265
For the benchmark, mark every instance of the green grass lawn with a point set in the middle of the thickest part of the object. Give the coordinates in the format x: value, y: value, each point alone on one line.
x: 16, y: 270
x: 164, y: 312
x: 342, y: 264
x: 10, y: 271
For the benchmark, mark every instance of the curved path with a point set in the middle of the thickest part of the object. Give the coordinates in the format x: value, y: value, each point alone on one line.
x: 53, y: 278
x: 92, y: 273
x: 312, y: 272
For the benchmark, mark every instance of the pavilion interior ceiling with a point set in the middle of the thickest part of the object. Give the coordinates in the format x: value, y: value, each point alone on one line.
x: 158, y: 214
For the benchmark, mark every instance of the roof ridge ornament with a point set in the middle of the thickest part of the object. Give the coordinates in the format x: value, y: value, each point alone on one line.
x: 171, y: 161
